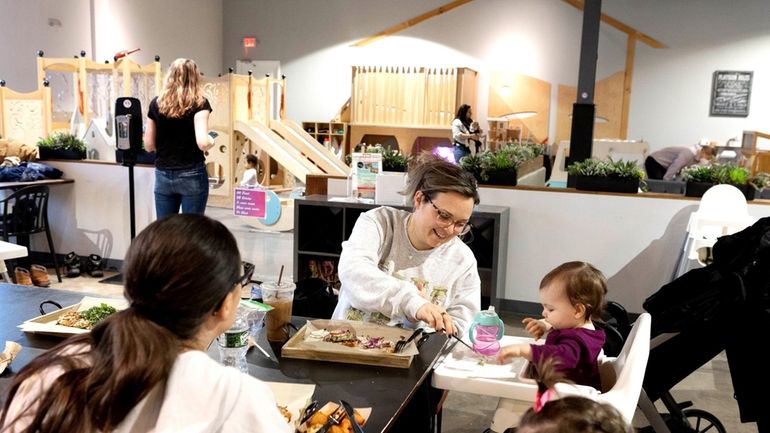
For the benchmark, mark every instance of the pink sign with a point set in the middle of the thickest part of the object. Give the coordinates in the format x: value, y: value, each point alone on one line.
x: 249, y: 202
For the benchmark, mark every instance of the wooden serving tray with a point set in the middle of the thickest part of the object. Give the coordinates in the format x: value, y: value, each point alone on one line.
x: 298, y: 348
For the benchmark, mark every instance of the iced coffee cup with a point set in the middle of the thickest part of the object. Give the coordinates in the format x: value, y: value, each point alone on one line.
x: 280, y: 297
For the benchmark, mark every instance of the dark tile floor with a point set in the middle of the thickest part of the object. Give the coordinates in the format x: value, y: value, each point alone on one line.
x: 709, y: 388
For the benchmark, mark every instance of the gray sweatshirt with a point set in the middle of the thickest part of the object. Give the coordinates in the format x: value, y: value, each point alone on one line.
x: 380, y: 271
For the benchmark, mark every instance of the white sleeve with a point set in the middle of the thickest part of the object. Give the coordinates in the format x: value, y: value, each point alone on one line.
x: 457, y: 130
x: 366, y: 286
x: 249, y: 177
x: 467, y: 299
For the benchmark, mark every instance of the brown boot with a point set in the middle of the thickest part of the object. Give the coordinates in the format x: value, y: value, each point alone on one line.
x: 40, y: 276
x: 22, y: 277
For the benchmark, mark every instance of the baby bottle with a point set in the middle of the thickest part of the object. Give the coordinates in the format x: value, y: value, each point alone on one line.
x: 486, y: 332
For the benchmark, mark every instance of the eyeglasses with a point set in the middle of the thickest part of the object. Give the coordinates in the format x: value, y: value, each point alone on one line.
x: 445, y: 218
x: 245, y: 279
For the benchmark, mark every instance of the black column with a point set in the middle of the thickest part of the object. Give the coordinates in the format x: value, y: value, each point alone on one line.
x: 581, y: 137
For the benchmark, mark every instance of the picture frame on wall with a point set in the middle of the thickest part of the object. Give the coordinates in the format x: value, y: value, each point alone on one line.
x: 731, y: 93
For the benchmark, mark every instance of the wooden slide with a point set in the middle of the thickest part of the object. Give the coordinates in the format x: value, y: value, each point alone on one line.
x: 309, y: 146
x: 282, y: 152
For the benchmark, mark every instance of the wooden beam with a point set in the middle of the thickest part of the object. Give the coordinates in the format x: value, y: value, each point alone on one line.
x: 579, y: 4
x: 627, y: 77
x: 411, y: 22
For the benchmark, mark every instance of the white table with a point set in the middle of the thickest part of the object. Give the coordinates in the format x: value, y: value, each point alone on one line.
x: 10, y: 251
x: 460, y: 371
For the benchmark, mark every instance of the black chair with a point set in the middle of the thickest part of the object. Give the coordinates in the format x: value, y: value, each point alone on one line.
x: 25, y: 212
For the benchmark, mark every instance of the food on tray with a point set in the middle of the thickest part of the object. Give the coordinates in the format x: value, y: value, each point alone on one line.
x: 86, y: 319
x: 285, y: 412
x: 320, y: 417
x: 347, y: 337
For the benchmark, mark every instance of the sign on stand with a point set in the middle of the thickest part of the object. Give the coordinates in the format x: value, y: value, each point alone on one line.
x: 249, y: 202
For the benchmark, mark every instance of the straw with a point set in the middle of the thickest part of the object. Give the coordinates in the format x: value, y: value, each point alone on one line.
x: 280, y: 275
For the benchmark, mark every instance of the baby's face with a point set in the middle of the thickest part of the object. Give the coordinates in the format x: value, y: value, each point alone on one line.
x: 557, y: 308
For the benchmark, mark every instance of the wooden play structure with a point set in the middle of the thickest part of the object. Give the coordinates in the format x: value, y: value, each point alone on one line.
x: 247, y: 115
x: 408, y: 102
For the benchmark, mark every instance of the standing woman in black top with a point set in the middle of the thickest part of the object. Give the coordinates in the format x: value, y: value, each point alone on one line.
x: 177, y: 129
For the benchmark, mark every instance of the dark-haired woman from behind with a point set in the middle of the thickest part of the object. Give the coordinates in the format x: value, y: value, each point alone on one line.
x: 145, y: 369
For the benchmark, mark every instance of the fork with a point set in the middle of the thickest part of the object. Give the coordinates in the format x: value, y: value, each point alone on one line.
x: 334, y: 419
x: 401, y: 344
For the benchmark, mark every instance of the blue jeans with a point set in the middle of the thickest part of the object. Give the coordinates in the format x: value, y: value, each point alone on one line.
x: 460, y: 150
x: 187, y: 187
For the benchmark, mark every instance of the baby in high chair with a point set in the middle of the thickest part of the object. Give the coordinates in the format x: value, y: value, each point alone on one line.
x: 572, y: 295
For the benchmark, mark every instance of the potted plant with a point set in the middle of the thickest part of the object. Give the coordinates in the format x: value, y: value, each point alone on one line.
x: 607, y: 175
x: 699, y: 178
x: 394, y: 160
x: 505, y: 165
x: 61, y: 145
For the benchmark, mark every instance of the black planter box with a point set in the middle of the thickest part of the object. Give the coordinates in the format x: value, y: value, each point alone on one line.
x: 501, y: 177
x: 49, y: 153
x: 697, y: 189
x: 607, y: 184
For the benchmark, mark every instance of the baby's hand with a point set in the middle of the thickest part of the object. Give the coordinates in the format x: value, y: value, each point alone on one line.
x: 535, y: 327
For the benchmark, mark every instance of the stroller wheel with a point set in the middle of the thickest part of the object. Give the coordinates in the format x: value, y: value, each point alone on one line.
x: 701, y: 421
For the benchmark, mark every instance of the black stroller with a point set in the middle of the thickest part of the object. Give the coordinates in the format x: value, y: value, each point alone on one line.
x: 723, y: 306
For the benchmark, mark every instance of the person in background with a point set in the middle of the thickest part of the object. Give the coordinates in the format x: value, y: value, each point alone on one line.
x: 250, y: 175
x: 666, y: 163
x: 572, y: 295
x: 177, y: 130
x: 411, y: 268
x: 461, y: 132
x: 146, y: 368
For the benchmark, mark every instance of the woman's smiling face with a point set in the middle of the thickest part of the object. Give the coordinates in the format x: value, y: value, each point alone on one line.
x: 437, y: 220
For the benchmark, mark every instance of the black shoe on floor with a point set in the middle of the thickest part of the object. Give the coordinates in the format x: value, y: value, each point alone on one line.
x: 72, y: 262
x: 95, y: 265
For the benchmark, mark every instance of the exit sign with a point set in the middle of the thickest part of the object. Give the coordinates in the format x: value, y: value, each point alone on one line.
x: 249, y: 42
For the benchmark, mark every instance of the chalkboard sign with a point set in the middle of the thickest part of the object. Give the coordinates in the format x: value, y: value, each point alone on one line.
x: 731, y: 93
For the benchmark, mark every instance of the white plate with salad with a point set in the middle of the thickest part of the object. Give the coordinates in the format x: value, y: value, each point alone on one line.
x: 74, y: 319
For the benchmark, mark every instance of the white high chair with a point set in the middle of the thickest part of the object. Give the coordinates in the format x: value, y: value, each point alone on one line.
x: 722, y: 211
x: 621, y: 376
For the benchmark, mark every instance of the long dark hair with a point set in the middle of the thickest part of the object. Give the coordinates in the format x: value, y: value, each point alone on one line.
x: 462, y: 114
x: 177, y: 271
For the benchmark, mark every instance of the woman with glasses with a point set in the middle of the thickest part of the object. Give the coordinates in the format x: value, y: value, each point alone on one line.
x: 145, y: 368
x: 412, y: 269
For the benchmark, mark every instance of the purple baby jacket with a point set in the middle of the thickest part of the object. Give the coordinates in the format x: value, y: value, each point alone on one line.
x: 576, y: 349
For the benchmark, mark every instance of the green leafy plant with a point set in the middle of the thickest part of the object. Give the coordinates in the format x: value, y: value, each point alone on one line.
x: 62, y: 141
x: 394, y: 160
x: 717, y: 173
x: 760, y: 181
x: 607, y: 168
x: 508, y: 157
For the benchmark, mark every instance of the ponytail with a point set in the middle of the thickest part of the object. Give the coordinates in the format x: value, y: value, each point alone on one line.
x: 104, y: 374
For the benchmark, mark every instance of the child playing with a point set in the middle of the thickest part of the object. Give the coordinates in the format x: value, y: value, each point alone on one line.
x: 572, y: 295
x: 250, y: 175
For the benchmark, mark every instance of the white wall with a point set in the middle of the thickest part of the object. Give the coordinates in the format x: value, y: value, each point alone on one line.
x: 169, y: 28
x: 671, y: 87
x: 25, y: 29
x: 312, y: 41
x: 634, y: 240
x: 91, y: 216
